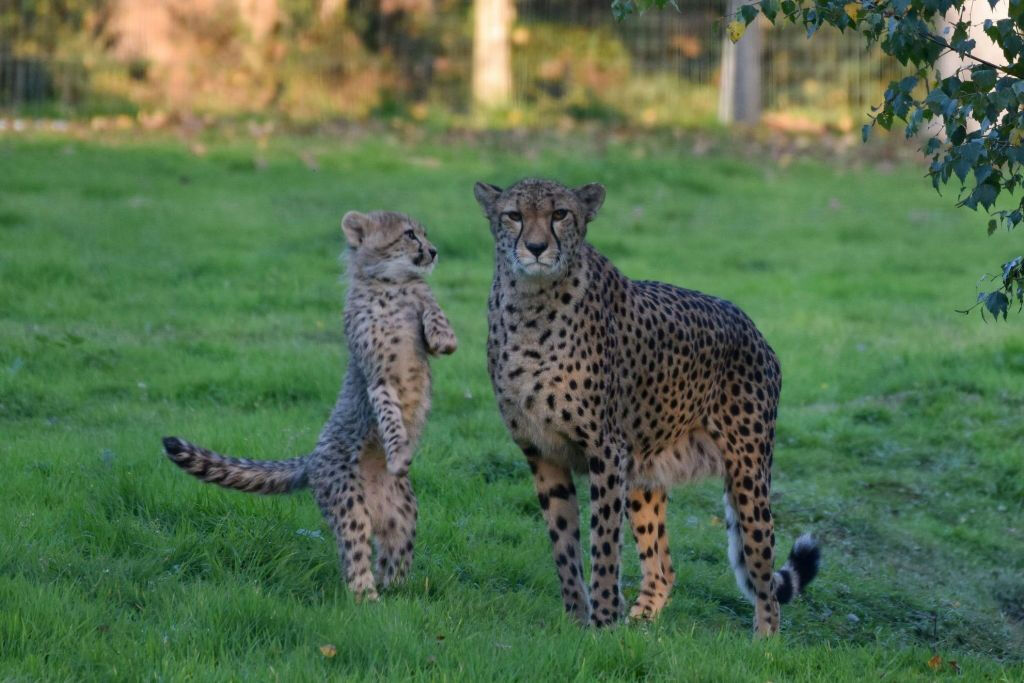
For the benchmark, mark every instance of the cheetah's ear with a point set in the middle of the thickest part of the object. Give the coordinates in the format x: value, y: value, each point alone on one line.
x: 486, y: 194
x: 591, y: 196
x: 356, y: 226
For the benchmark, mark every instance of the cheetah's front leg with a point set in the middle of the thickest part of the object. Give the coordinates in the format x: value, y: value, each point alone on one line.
x: 557, y: 496
x: 607, y: 491
x: 647, y: 513
x: 393, y: 436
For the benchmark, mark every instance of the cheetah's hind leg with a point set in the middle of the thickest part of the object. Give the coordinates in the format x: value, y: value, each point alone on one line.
x: 394, y: 516
x: 339, y: 493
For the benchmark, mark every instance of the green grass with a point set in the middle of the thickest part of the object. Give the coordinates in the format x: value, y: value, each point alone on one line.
x: 144, y: 291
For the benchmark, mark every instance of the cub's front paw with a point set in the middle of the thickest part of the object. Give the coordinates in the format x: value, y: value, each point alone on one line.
x: 400, y: 459
x: 443, y: 344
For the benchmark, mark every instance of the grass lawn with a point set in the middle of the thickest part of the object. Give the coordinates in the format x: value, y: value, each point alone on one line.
x: 145, y: 291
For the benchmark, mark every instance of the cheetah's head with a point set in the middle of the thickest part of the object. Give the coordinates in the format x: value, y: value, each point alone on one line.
x: 539, y: 225
x: 385, y: 244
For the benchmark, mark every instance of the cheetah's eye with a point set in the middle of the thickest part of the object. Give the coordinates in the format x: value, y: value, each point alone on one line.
x: 410, y: 234
x: 514, y: 216
x: 559, y: 214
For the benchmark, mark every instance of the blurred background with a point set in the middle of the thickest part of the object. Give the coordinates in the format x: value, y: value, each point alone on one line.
x: 491, y: 63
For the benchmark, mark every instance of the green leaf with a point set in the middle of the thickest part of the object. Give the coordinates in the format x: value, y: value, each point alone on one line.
x: 748, y: 13
x: 992, y: 225
x: 996, y: 303
x: 770, y: 8
x: 984, y: 78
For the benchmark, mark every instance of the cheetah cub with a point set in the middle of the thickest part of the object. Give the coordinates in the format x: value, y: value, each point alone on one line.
x: 359, y: 469
x: 642, y: 386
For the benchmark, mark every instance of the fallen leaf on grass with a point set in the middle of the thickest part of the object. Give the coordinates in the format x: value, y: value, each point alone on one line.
x: 954, y: 666
x: 715, y: 521
x: 935, y: 663
x: 328, y: 650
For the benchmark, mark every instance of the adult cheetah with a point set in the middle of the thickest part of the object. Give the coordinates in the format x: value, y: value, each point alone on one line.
x: 642, y: 385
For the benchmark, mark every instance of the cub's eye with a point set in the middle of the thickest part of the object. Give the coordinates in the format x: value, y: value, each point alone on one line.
x: 410, y: 234
x: 514, y: 216
x: 559, y: 214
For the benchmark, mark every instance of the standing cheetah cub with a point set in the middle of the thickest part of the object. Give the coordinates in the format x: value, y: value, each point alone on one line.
x: 359, y: 468
x: 640, y: 384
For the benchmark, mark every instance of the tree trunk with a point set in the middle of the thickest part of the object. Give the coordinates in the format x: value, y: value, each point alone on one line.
x: 739, y: 96
x: 492, y: 59
x: 950, y: 63
x: 329, y: 8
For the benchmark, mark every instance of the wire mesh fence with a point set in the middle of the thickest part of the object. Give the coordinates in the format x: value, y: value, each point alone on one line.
x: 569, y: 58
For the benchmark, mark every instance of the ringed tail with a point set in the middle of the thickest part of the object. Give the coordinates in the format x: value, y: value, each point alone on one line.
x: 253, y: 476
x: 800, y: 569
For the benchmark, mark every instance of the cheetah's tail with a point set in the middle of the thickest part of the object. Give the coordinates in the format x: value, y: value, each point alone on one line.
x: 254, y: 476
x: 800, y: 569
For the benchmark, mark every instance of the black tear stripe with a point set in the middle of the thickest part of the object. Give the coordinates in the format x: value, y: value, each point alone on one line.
x: 558, y: 242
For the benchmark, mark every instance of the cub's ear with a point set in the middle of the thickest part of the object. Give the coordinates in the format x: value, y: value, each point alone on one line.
x: 591, y: 196
x: 486, y: 194
x: 356, y: 227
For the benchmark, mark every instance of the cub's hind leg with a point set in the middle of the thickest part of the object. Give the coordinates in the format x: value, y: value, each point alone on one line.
x: 647, y: 517
x: 339, y: 493
x: 393, y: 512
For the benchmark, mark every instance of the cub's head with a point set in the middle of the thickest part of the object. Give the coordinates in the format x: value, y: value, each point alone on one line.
x: 385, y: 244
x: 539, y: 225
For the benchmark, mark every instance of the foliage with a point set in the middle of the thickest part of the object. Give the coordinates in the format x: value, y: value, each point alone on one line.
x: 44, y: 27
x: 148, y: 291
x: 973, y: 120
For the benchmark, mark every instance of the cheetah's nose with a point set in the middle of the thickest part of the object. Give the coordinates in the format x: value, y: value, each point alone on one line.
x: 536, y: 248
x: 433, y: 253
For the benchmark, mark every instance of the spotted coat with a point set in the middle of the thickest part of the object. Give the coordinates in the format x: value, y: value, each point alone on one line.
x: 640, y: 385
x: 359, y: 469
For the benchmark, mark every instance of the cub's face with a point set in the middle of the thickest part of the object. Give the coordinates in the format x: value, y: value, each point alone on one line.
x: 388, y: 245
x: 538, y: 225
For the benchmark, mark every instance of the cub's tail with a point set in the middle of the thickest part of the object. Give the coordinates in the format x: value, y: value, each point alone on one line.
x: 254, y: 476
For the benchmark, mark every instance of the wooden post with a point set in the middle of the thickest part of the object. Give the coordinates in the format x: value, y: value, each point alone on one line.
x: 739, y: 95
x: 492, y: 58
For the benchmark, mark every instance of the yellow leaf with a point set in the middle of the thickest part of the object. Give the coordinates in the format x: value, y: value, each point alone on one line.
x: 935, y: 663
x: 735, y: 30
x: 715, y: 521
x: 1016, y: 136
x: 851, y: 10
x: 328, y: 650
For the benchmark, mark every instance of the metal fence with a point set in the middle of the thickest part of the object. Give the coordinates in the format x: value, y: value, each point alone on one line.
x: 571, y: 57
x: 829, y: 78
